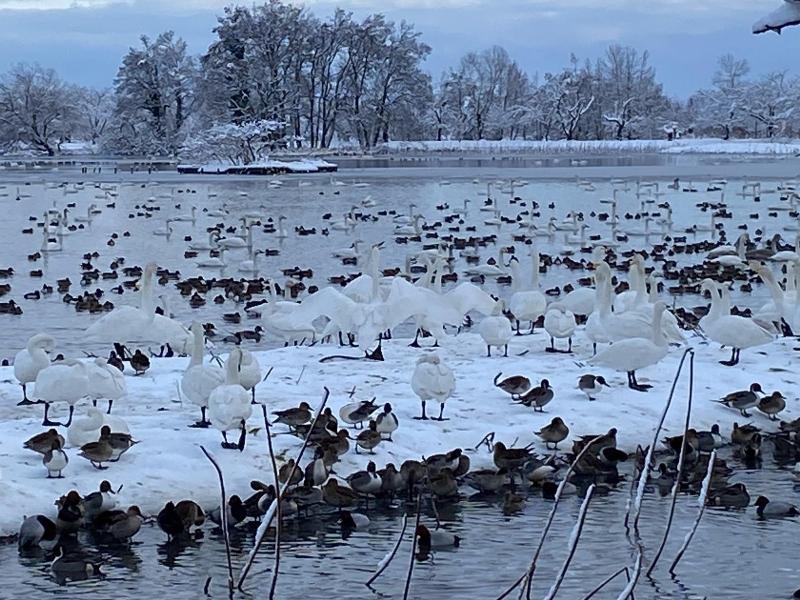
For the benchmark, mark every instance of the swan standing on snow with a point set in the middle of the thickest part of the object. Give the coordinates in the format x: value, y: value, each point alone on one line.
x: 106, y: 382
x: 559, y: 323
x: 632, y: 354
x: 229, y: 404
x: 738, y: 333
x: 530, y: 304
x: 249, y: 372
x: 199, y: 379
x: 432, y: 380
x: 31, y: 360
x: 64, y: 381
x: 496, y: 330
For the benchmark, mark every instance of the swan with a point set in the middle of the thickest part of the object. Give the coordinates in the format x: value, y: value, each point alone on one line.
x: 32, y: 359
x: 279, y: 318
x: 632, y: 354
x: 251, y: 266
x: 210, y: 245
x: 432, y: 380
x: 738, y: 333
x: 405, y: 219
x: 236, y: 242
x: 496, y: 329
x: 351, y: 252
x: 530, y: 304
x: 495, y: 220
x: 594, y: 329
x: 788, y: 255
x: 229, y: 404
x: 106, y: 382
x: 489, y: 269
x: 64, y: 381
x: 214, y: 262
x: 411, y: 229
x: 166, y: 231
x: 568, y: 224
x: 579, y: 301
x: 559, y: 322
x: 87, y: 429
x: 47, y: 245
x: 281, y: 232
x: 89, y: 215
x: 249, y: 372
x: 199, y: 379
x: 187, y: 217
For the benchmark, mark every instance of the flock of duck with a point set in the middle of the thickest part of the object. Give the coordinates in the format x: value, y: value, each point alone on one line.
x: 630, y: 326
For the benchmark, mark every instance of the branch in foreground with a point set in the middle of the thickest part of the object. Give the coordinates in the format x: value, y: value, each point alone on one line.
x: 223, y: 516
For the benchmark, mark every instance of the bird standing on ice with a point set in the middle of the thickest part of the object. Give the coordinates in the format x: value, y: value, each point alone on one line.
x: 31, y: 360
x: 559, y: 323
x: 433, y: 380
x: 229, y: 404
x: 496, y: 329
x: 200, y: 379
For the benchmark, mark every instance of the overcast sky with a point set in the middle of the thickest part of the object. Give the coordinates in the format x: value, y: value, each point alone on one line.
x: 85, y: 39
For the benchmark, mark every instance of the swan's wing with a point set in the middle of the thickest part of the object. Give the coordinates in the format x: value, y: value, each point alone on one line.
x: 785, y: 15
x: 326, y: 302
x: 467, y: 297
x: 360, y: 289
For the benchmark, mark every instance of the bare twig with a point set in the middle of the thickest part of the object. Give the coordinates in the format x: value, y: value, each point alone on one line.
x: 299, y: 377
x: 262, y: 529
x: 573, y: 543
x: 223, y: 516
x: 702, y: 501
x: 605, y: 582
x: 413, y: 548
x: 276, y: 568
x: 267, y: 375
x: 679, y: 475
x: 634, y: 508
x: 389, y: 557
x: 632, y: 579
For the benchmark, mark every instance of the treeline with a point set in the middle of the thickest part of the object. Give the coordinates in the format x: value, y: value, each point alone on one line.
x: 278, y: 76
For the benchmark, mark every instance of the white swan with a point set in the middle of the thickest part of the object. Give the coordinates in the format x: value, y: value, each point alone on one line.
x: 187, y: 217
x: 87, y: 429
x: 633, y: 354
x: 106, y: 382
x: 281, y: 232
x: 214, y: 262
x: 32, y: 359
x: 229, y: 404
x: 527, y: 304
x: 200, y: 379
x: 559, y: 323
x: 496, y: 329
x: 432, y: 380
x: 594, y: 329
x: 489, y: 269
x: 249, y: 372
x: 251, y: 266
x: 738, y: 333
x: 64, y: 381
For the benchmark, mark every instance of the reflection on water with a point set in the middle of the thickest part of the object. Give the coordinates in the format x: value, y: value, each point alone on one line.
x: 733, y: 556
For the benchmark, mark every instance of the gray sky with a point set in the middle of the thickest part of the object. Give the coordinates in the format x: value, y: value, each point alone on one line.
x: 85, y: 39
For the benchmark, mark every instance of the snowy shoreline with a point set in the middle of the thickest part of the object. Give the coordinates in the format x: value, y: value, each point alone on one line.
x: 168, y: 463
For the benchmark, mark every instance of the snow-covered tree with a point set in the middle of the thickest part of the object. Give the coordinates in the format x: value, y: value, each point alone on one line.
x: 236, y: 143
x: 37, y: 109
x: 95, y: 109
x: 721, y: 108
x: 152, y: 97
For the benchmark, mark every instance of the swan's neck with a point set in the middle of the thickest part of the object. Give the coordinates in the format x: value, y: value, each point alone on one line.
x: 197, y: 348
x: 232, y: 370
x: 658, y: 335
x: 535, y: 269
x: 147, y: 304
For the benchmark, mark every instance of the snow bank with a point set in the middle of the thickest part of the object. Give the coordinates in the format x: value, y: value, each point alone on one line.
x: 686, y: 145
x: 168, y: 463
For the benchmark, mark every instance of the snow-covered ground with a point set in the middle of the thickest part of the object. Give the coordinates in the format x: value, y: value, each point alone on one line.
x: 168, y: 463
x: 686, y: 145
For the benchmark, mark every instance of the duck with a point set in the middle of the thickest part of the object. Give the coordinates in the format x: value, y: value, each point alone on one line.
x: 772, y: 405
x: 742, y: 435
x: 99, y: 501
x: 538, y: 397
x: 559, y: 323
x: 515, y: 386
x: 710, y: 440
x: 229, y: 405
x: 432, y: 380
x: 766, y: 508
x: 85, y: 430
x: 30, y: 360
x: 553, y: 433
x: 742, y: 400
x: 37, y: 531
x: 366, y: 482
x: 139, y: 362
x: 200, y: 379
x: 386, y: 422
x: 487, y: 481
x: 369, y: 438
x: 509, y: 458
x: 294, y: 417
x: 170, y: 521
x: 355, y: 413
x: 290, y: 472
x: 100, y: 451
x: 592, y: 385
x: 70, y: 513
x: 496, y: 329
x: 337, y: 495
x: 43, y: 442
x: 633, y: 354
x: 235, y: 509
x: 120, y: 525
x: 428, y: 540
x: 55, y: 460
x: 72, y: 567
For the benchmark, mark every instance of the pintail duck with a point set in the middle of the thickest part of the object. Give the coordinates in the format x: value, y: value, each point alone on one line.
x: 744, y: 399
x: 591, y: 385
x: 100, y: 451
x: 366, y: 482
x: 99, y: 501
x: 294, y: 417
x: 37, y: 531
x: 369, y: 438
x: 553, y: 433
x: 120, y: 444
x: 771, y: 405
x: 55, y: 460
x: 338, y: 445
x: 316, y: 471
x: 487, y: 480
x: 767, y: 508
x: 338, y: 495
x: 236, y: 512
x: 356, y: 413
x: 515, y: 386
x: 259, y: 501
x: 289, y: 469
x: 599, y: 442
x: 538, y: 397
x: 391, y: 480
x: 386, y: 422
x: 443, y: 483
x: 120, y: 525
x: 675, y: 443
x: 412, y: 474
x: 710, y: 440
x: 449, y: 460
x: 550, y: 488
x: 72, y: 567
x: 509, y: 458
x: 743, y: 434
x: 732, y: 496
x: 438, y: 538
x: 43, y: 442
x: 70, y: 513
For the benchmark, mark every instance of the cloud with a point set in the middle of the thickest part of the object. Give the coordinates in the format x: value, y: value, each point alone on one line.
x: 54, y: 4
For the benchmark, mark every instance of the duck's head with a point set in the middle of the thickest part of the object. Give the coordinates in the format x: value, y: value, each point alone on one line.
x: 761, y: 501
